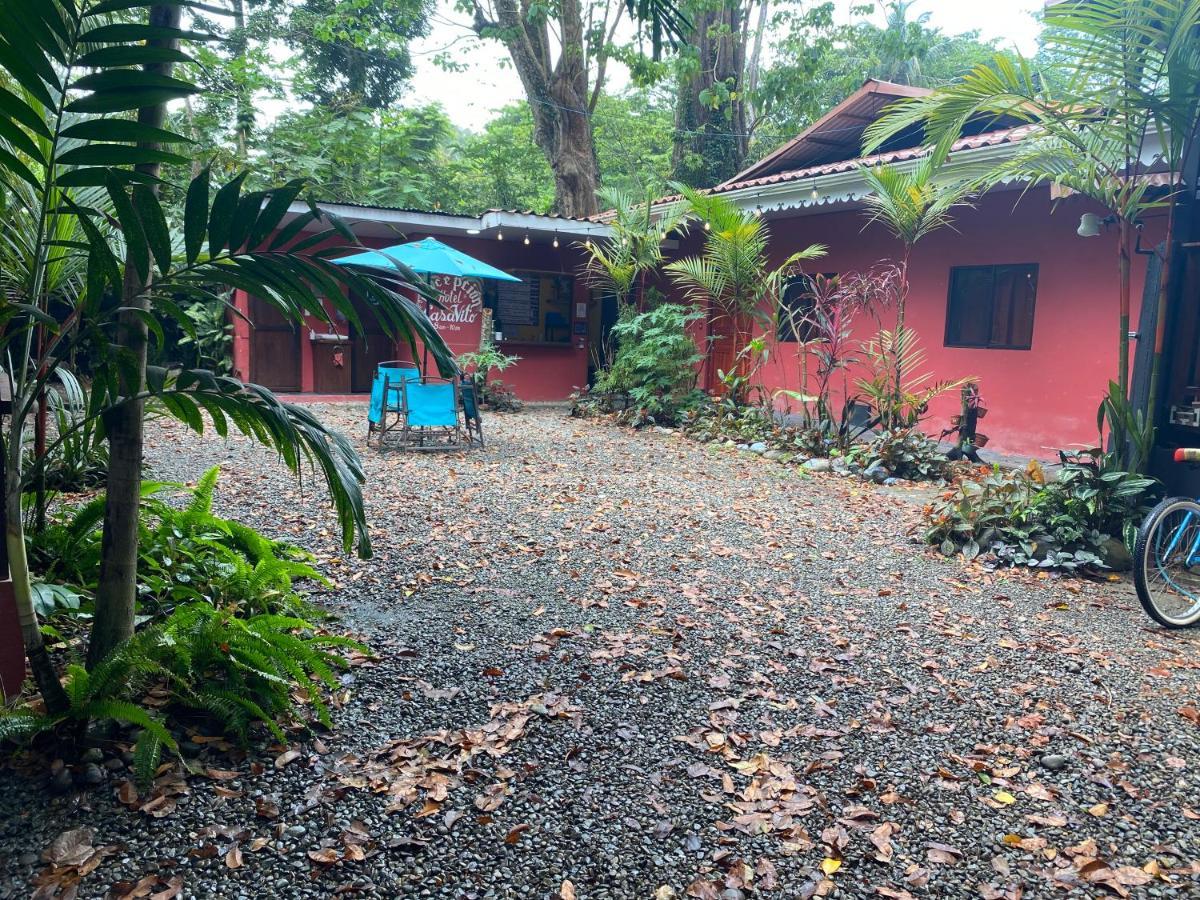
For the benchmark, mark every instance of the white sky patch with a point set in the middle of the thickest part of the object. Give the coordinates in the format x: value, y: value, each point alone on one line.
x: 471, y: 97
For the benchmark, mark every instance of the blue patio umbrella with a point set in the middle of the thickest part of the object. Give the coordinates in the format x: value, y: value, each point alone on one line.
x: 428, y: 257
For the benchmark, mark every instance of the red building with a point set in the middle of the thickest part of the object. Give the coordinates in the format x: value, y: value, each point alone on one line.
x: 550, y: 319
x: 1011, y: 296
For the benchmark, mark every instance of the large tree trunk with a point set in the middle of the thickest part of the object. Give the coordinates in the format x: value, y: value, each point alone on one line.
x: 238, y: 46
x: 116, y: 590
x: 710, y: 115
x: 558, y: 96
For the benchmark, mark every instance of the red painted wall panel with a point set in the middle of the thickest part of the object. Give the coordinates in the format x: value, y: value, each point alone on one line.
x: 1038, y: 399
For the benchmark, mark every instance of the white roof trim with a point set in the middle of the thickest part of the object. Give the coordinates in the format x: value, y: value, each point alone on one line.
x: 490, y: 222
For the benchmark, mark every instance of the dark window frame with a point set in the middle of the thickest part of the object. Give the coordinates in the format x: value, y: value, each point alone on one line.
x: 951, y: 332
x: 793, y: 335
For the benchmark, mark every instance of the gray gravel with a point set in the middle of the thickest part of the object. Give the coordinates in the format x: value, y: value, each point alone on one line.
x: 678, y: 669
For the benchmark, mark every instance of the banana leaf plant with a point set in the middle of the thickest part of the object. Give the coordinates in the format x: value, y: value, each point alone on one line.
x: 87, y: 247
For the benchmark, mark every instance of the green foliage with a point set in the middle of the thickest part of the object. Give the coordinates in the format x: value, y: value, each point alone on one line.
x: 237, y: 670
x: 78, y: 459
x: 620, y: 264
x: 655, y: 361
x: 818, y: 59
x: 208, y: 342
x: 906, y: 453
x: 481, y: 363
x: 895, y: 388
x: 732, y: 273
x: 105, y: 693
x: 243, y: 670
x: 185, y: 553
x: 1021, y: 518
x: 1130, y: 430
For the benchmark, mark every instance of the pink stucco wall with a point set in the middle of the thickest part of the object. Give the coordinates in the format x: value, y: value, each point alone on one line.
x: 1038, y: 399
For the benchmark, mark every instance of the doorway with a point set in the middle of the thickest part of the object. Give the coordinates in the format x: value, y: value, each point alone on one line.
x: 274, y: 348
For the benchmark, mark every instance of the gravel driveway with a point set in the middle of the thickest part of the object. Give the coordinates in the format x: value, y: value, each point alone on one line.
x: 626, y: 665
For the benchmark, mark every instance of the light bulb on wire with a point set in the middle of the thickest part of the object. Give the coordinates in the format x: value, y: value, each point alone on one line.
x: 526, y: 241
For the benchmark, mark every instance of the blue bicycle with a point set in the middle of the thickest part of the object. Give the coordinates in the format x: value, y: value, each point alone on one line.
x: 1166, y: 568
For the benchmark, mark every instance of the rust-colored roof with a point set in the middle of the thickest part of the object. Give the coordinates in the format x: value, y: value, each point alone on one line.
x: 835, y: 136
x: 974, y: 142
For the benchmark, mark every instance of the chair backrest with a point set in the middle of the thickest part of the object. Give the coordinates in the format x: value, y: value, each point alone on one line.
x: 431, y: 404
x: 388, y: 378
x: 470, y: 402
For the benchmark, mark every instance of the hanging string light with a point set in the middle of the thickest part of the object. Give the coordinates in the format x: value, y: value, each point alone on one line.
x: 556, y: 238
x: 500, y: 235
x: 816, y: 195
x: 526, y: 241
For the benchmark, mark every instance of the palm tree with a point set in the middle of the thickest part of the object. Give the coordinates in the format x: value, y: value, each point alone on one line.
x: 621, y: 263
x: 1124, y: 90
x: 89, y: 261
x: 911, y: 204
x: 732, y: 274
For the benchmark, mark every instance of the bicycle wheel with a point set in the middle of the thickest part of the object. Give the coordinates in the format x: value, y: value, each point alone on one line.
x: 1166, y: 563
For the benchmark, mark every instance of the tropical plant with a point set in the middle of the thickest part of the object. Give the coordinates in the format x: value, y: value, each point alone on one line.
x: 911, y: 203
x: 905, y: 453
x: 207, y: 343
x: 1120, y: 101
x: 72, y: 162
x: 621, y: 262
x: 655, y: 361
x: 731, y: 278
x: 185, y: 553
x: 481, y: 363
x: 237, y: 670
x: 826, y: 320
x: 79, y: 460
x: 106, y: 692
x: 1081, y: 518
x: 896, y: 389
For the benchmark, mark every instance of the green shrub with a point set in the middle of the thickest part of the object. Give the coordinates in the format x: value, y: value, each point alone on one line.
x: 1020, y: 518
x: 905, y: 452
x: 236, y: 670
x: 655, y: 362
x: 185, y: 553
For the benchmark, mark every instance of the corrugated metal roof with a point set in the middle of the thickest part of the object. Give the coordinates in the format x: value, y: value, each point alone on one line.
x: 835, y: 136
x: 974, y: 142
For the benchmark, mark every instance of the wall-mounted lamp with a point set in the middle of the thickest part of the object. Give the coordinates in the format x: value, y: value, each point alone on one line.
x: 1089, y: 225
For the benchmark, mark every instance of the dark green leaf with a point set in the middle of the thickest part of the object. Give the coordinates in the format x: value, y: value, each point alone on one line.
x: 136, y: 34
x: 131, y: 227
x: 195, y: 216
x: 220, y: 222
x: 117, y: 155
x: 14, y: 106
x: 124, y: 100
x: 18, y: 66
x: 154, y: 224
x: 10, y: 131
x: 135, y: 55
x: 123, y: 130
x: 13, y: 164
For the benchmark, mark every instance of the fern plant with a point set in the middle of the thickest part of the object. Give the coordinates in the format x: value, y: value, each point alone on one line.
x: 106, y: 693
x: 245, y: 670
x: 237, y: 670
x: 185, y: 554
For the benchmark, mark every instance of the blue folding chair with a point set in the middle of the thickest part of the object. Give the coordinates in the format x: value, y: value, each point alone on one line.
x: 429, y: 410
x: 387, y: 397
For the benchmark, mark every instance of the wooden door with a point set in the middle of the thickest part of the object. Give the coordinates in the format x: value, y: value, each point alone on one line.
x: 331, y: 367
x: 274, y: 348
x: 369, y: 347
